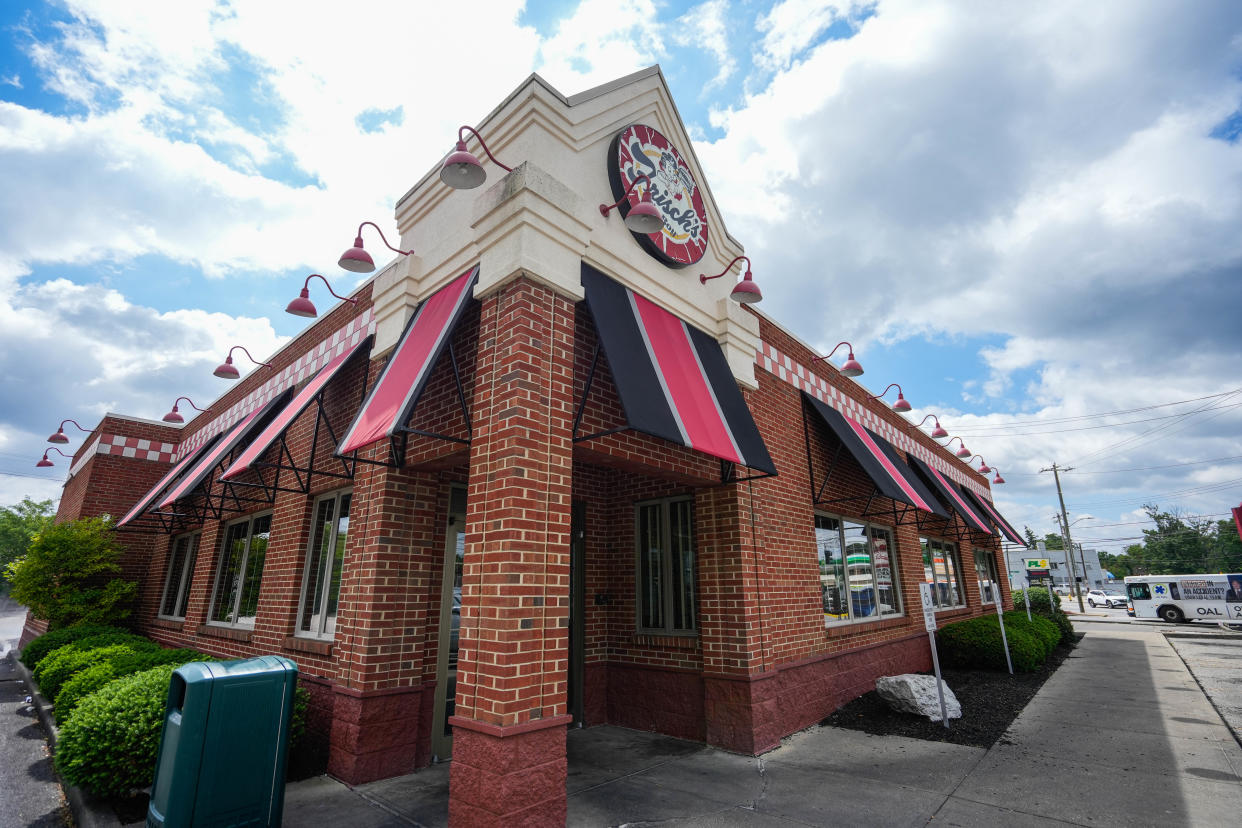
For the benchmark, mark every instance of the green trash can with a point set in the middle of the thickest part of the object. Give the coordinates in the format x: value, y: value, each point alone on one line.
x: 222, y: 750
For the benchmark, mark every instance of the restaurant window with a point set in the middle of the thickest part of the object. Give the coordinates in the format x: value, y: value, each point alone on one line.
x: 235, y: 595
x: 942, y: 569
x: 985, y: 567
x: 665, y: 533
x: 857, y: 573
x: 182, y: 553
x: 321, y: 580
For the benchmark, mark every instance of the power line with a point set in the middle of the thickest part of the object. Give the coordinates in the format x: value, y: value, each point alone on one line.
x: 1099, y: 454
x: 1051, y: 420
x: 1090, y: 427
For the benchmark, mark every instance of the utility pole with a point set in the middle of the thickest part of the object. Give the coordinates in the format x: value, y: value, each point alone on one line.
x: 1067, y: 541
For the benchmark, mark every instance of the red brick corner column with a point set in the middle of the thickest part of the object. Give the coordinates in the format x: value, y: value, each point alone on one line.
x: 737, y: 704
x: 509, y: 764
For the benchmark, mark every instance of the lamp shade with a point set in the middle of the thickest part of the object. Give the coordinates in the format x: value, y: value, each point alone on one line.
x: 902, y: 404
x: 963, y: 452
x: 356, y: 260
x: 644, y: 217
x: 939, y: 433
x: 59, y: 437
x: 998, y: 479
x: 851, y: 367
x: 746, y: 292
x: 462, y: 170
x: 226, y: 370
x: 302, y: 305
x: 173, y: 416
x: 44, y: 463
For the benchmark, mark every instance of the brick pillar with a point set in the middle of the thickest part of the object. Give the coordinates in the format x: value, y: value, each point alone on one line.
x: 394, y: 545
x: 737, y: 704
x: 509, y: 728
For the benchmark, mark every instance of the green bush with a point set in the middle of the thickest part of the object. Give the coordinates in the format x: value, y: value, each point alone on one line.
x: 67, y: 575
x: 61, y: 665
x: 1050, y: 609
x: 116, y: 666
x: 1039, y: 627
x: 38, y: 649
x: 976, y: 644
x: 109, y: 745
x: 1040, y: 600
x: 83, y: 683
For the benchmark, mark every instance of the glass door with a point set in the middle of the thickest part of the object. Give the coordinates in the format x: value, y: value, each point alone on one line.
x: 450, y: 626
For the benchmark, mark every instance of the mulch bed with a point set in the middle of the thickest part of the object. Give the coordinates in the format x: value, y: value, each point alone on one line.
x: 990, y: 702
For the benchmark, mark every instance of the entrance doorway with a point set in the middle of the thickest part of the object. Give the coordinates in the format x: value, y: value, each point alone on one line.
x: 450, y: 620
x: 450, y: 626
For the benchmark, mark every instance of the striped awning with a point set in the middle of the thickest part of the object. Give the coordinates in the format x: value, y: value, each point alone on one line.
x: 1003, y: 527
x: 281, y: 422
x: 673, y: 379
x: 952, y: 496
x: 881, y: 462
x: 179, y: 468
x: 233, y: 438
x: 396, y: 392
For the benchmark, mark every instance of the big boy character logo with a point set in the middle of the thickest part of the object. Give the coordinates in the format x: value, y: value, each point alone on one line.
x: 640, y: 150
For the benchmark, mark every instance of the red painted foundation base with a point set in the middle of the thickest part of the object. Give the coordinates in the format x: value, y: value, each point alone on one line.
x: 512, y: 776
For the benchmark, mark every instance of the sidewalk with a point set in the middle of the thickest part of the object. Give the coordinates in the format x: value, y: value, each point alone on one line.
x: 1120, y: 735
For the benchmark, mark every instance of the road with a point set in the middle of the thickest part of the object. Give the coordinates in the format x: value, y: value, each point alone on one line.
x: 28, y: 787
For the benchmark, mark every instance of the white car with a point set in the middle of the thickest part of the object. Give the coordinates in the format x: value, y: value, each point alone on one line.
x: 1100, y: 598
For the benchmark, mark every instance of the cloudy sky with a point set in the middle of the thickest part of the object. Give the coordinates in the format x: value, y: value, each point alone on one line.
x: 1029, y: 215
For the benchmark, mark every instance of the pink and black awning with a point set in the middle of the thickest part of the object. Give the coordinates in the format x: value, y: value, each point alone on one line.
x: 673, y: 379
x: 391, y: 402
x: 280, y: 423
x: 1003, y: 526
x: 891, y: 476
x: 179, y: 468
x: 235, y: 436
x: 953, y: 496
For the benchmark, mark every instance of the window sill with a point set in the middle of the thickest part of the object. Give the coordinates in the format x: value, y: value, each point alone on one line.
x: 681, y: 640
x: 163, y: 623
x: 858, y: 627
x: 231, y: 633
x: 314, y: 646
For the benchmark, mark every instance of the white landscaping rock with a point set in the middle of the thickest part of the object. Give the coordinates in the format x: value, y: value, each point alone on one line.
x: 912, y: 693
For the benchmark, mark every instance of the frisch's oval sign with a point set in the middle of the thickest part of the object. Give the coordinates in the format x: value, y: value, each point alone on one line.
x: 637, y: 150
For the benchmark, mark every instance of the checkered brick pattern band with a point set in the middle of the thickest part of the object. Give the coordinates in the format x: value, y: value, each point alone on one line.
x: 302, y: 368
x: 770, y: 359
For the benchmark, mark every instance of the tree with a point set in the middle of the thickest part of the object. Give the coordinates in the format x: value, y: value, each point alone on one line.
x: 18, y: 526
x: 65, y: 575
x: 1030, y: 536
x: 1052, y: 541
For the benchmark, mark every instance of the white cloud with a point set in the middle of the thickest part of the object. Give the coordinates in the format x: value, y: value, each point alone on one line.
x: 705, y: 27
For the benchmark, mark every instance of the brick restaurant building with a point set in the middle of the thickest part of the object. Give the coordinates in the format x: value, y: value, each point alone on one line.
x: 538, y: 475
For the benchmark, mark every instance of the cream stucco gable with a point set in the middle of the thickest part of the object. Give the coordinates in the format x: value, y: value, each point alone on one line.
x: 542, y: 220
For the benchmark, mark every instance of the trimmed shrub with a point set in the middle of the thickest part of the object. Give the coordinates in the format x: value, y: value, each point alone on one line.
x: 1051, y: 610
x: 109, y: 745
x: 90, y: 642
x: 38, y: 649
x: 976, y: 644
x: 1040, y: 600
x: 79, y: 687
x: 1041, y: 628
x: 61, y: 665
x: 122, y: 664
